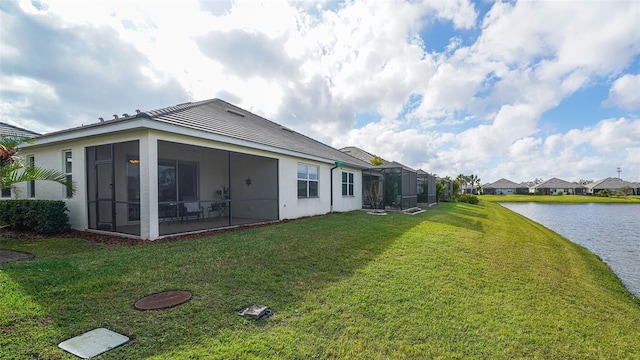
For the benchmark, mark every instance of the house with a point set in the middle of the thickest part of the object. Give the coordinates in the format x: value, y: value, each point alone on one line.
x: 397, y: 183
x: 504, y: 187
x: 427, y: 192
x: 361, y: 154
x: 190, y: 167
x: 612, y: 185
x: 447, y: 193
x: 392, y: 184
x: 555, y: 186
x: 10, y: 130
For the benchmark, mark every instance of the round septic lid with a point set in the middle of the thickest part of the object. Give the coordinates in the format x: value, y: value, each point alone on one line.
x: 7, y: 256
x: 163, y: 300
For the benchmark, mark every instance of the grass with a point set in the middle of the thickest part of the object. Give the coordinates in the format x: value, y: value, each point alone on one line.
x: 631, y: 199
x: 457, y: 281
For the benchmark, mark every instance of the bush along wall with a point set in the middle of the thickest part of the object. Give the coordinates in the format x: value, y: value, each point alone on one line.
x: 468, y: 198
x: 41, y: 216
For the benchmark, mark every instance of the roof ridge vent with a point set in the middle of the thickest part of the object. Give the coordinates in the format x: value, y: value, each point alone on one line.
x: 234, y: 112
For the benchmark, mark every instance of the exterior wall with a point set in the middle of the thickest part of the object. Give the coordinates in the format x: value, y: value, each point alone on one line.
x: 290, y: 206
x: 505, y: 191
x: 52, y: 157
x: 342, y: 203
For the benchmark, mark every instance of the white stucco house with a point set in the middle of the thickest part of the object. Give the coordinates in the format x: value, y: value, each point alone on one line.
x: 192, y: 167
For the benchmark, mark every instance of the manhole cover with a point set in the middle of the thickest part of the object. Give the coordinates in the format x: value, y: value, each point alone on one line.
x: 7, y: 256
x: 163, y: 300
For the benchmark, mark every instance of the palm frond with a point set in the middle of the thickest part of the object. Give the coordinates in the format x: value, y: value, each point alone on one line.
x: 12, y: 176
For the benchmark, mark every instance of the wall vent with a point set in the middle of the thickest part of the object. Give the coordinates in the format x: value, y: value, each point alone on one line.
x: 231, y: 111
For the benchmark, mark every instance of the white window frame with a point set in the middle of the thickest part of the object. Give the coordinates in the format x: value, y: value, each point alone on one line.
x: 348, y: 186
x: 309, y: 178
x: 67, y: 168
x: 31, y: 185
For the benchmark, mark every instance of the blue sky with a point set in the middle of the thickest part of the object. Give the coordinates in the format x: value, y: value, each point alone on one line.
x: 519, y: 90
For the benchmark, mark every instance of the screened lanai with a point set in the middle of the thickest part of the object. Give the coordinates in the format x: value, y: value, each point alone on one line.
x: 426, y: 188
x: 198, y: 188
x: 395, y: 183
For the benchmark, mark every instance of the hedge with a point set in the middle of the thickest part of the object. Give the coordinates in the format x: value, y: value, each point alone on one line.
x: 41, y: 216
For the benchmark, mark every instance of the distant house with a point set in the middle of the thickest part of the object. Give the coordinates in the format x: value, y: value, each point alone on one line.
x: 193, y: 166
x: 426, y: 188
x: 504, y: 187
x: 399, y: 185
x: 612, y: 185
x: 10, y: 130
x: 555, y: 186
x: 361, y: 154
x: 448, y: 188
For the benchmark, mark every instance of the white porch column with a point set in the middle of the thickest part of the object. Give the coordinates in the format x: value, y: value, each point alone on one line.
x: 149, y: 227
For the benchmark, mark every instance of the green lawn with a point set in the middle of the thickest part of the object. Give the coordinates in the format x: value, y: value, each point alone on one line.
x: 457, y: 281
x: 632, y: 199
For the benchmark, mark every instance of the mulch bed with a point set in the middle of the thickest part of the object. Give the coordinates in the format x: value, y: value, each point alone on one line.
x: 120, y: 240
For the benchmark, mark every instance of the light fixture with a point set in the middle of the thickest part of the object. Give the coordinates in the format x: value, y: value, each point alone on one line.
x: 134, y: 161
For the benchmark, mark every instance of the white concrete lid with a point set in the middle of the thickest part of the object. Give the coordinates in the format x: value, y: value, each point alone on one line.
x: 93, y: 343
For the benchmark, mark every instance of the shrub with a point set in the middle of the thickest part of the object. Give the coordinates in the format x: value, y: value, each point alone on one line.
x: 469, y: 198
x: 41, y: 216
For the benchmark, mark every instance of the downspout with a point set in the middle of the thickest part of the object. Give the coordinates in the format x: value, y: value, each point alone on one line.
x: 337, y: 163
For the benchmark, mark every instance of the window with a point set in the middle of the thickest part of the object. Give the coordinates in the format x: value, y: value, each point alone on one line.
x: 5, y: 193
x: 68, y: 167
x: 31, y: 185
x: 307, y: 181
x: 177, y: 180
x: 347, y: 183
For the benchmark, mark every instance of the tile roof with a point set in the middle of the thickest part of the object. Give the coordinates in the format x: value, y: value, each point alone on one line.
x: 10, y: 130
x: 360, y: 154
x: 504, y: 184
x: 555, y: 183
x: 394, y: 165
x: 611, y: 183
x: 218, y: 117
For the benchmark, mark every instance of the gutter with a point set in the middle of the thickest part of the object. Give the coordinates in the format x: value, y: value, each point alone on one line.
x: 337, y: 163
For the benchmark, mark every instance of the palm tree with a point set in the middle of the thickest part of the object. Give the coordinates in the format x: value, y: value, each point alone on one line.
x: 462, y: 180
x: 13, y: 169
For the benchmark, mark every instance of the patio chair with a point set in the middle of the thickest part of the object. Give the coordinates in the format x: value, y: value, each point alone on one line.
x: 188, y: 209
x: 218, y: 207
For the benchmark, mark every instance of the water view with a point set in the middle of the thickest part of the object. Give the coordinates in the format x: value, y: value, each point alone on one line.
x: 610, y: 231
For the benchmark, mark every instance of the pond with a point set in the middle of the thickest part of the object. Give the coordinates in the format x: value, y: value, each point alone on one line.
x: 611, y: 231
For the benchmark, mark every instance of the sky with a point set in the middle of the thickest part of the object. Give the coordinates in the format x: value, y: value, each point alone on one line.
x: 520, y: 90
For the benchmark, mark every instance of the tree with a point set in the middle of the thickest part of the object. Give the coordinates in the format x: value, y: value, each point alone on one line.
x: 474, y: 181
x: 455, y: 188
x: 440, y: 187
x: 585, y: 182
x: 374, y: 192
x: 377, y: 160
x: 13, y: 169
x: 462, y: 183
x: 624, y: 191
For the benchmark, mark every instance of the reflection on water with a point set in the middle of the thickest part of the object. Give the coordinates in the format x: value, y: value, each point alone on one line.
x: 611, y: 231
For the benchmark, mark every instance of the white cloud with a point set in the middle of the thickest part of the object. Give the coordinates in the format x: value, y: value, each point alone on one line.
x: 314, y: 65
x: 625, y: 93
